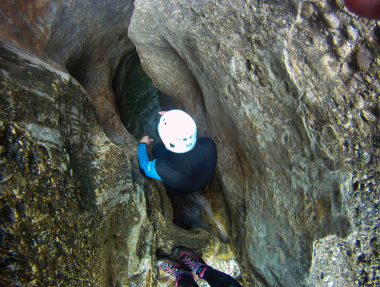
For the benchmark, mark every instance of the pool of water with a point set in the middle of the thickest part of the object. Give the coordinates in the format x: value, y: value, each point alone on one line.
x: 140, y: 102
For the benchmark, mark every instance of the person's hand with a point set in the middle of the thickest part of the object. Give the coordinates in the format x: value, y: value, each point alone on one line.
x: 162, y: 112
x: 145, y: 139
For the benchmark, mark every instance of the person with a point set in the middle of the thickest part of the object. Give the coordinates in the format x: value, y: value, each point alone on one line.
x: 184, y: 163
x: 186, y: 260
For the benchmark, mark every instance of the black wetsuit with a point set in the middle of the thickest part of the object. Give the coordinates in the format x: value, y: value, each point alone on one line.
x: 213, y: 277
x: 184, y: 173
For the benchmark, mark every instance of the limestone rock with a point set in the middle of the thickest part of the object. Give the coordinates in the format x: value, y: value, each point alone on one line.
x: 307, y: 9
x: 331, y: 20
x: 359, y: 103
x: 297, y: 157
x: 368, y: 116
x: 72, y: 201
x: 88, y: 45
x: 244, y: 71
x: 352, y: 33
x: 55, y: 171
x: 364, y: 59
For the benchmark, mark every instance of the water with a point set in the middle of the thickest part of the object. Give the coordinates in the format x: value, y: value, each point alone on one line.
x: 214, y: 225
x: 140, y: 102
x: 194, y: 210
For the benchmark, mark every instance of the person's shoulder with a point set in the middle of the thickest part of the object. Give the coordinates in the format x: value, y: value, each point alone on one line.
x: 205, y: 141
x: 160, y: 162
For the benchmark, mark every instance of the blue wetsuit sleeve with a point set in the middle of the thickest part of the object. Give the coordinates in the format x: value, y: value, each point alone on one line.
x: 149, y: 167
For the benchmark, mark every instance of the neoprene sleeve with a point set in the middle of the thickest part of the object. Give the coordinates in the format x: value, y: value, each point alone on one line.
x: 149, y: 167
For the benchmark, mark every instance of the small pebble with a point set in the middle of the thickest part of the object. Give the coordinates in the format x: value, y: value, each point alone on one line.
x: 331, y: 20
x: 307, y: 10
x: 352, y: 33
x: 359, y: 103
x: 369, y: 117
x: 364, y: 59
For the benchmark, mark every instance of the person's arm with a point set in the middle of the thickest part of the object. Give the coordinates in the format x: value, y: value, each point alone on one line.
x: 149, y: 167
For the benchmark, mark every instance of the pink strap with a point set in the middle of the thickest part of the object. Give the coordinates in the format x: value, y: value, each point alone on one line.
x: 202, y: 272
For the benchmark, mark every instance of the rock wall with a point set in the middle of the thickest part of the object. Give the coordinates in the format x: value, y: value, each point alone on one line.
x: 75, y: 209
x: 86, y: 39
x: 289, y: 91
x: 62, y: 195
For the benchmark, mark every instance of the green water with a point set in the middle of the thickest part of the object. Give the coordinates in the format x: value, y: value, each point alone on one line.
x: 140, y: 103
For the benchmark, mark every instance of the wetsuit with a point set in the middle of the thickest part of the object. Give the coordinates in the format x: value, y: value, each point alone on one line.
x: 181, y: 173
x: 213, y: 277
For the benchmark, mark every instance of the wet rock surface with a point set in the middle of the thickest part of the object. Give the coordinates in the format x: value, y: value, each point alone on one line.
x: 85, y: 39
x: 277, y: 86
x: 61, y: 193
x: 289, y: 91
x: 75, y: 209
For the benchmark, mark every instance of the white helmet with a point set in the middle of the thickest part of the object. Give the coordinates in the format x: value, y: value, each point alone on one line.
x: 178, y: 131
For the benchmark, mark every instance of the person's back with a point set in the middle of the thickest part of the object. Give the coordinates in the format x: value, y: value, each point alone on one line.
x: 184, y: 163
x: 184, y: 173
